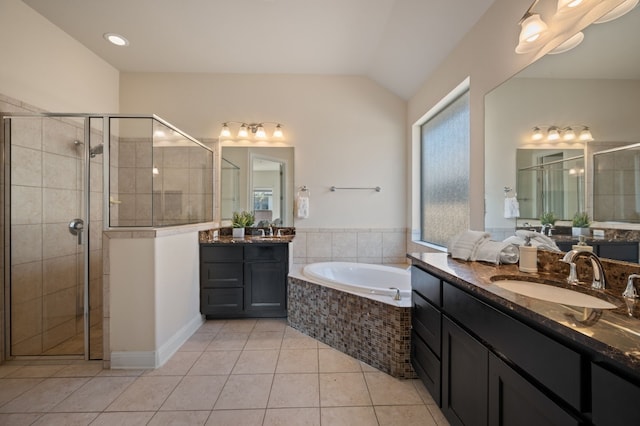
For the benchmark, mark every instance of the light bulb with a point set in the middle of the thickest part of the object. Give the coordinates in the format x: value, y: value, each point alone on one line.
x: 260, y: 133
x: 225, y: 132
x: 568, y: 134
x: 537, y: 134
x: 585, y: 135
x: 116, y: 39
x: 277, y: 133
x: 566, y: 5
x: 532, y: 28
x: 553, y: 134
x: 243, y: 132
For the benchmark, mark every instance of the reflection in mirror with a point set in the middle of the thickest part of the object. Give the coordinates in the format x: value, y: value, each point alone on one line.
x: 259, y: 180
x: 550, y: 181
x: 616, y: 185
x: 597, y: 84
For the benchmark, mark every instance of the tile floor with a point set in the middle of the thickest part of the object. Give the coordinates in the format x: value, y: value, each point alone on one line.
x: 234, y: 372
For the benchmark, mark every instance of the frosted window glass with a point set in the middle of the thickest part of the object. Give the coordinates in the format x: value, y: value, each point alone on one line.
x: 445, y: 173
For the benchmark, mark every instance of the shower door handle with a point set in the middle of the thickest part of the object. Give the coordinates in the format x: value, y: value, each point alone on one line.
x: 75, y: 228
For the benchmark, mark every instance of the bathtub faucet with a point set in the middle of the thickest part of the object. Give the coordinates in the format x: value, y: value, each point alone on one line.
x: 397, y: 295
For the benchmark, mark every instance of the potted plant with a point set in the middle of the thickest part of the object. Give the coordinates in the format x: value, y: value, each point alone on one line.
x: 548, y: 218
x: 580, y: 224
x: 241, y: 220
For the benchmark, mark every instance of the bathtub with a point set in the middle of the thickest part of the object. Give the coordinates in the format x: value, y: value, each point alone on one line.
x: 370, y: 280
x: 349, y: 307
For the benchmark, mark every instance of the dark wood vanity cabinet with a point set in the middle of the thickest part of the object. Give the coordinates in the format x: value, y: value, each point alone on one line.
x: 243, y: 280
x: 489, y: 368
x: 426, y: 330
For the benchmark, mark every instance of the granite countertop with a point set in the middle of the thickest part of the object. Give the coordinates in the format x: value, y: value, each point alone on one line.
x: 614, y: 338
x: 255, y: 239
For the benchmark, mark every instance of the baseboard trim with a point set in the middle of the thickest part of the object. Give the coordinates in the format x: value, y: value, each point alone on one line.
x: 155, y: 359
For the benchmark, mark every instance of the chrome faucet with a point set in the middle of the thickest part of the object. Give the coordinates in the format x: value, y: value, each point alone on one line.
x: 630, y: 292
x: 598, y: 269
x: 397, y: 295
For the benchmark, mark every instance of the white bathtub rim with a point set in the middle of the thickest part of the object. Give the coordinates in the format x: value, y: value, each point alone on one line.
x: 404, y: 302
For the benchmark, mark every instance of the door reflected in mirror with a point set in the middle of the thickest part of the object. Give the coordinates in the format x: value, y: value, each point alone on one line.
x: 258, y: 180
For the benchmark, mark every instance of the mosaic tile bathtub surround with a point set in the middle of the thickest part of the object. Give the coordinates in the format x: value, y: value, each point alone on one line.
x: 374, y: 332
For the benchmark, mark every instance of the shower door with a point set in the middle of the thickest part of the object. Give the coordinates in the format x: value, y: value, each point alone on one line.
x: 54, y: 235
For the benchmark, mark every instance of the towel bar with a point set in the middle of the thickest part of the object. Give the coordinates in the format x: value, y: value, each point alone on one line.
x: 334, y: 188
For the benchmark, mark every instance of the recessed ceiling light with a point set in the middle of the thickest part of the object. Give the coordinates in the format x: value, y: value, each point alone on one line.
x: 116, y: 39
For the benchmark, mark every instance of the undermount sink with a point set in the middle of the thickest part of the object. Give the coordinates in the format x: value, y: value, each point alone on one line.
x: 554, y: 294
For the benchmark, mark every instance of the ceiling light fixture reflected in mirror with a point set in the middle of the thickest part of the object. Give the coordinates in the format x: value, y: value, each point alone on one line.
x: 257, y: 130
x: 556, y: 133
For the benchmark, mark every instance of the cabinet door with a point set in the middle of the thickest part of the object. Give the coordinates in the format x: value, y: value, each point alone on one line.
x: 464, y: 376
x: 426, y: 321
x: 515, y: 401
x: 266, y: 288
x: 615, y: 399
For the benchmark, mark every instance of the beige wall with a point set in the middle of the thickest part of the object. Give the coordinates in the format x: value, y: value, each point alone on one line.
x: 346, y: 130
x: 43, y: 66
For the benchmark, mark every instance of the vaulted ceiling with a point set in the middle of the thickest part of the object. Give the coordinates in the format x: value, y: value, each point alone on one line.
x: 397, y: 43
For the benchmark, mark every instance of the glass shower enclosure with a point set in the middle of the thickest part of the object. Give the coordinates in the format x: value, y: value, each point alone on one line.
x: 66, y: 179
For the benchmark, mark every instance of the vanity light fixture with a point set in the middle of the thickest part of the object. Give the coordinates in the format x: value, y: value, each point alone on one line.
x: 256, y: 129
x: 556, y: 133
x: 617, y: 12
x: 531, y: 28
x: 535, y: 33
x: 116, y: 39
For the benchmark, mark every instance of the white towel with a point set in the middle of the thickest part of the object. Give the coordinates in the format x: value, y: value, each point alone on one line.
x: 465, y: 245
x: 537, y: 240
x: 511, y: 207
x: 496, y: 252
x: 302, y: 207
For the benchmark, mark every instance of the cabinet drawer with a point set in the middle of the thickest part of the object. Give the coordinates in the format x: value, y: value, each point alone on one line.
x: 221, y: 253
x: 427, y: 321
x: 427, y: 366
x: 268, y: 253
x: 615, y: 399
x: 426, y: 285
x: 549, y: 362
x: 221, y: 301
x: 213, y: 275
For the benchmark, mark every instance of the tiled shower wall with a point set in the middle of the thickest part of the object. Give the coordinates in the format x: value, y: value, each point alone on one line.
x: 179, y: 193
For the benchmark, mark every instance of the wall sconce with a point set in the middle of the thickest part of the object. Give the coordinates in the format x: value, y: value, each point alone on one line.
x: 568, y: 133
x: 255, y: 129
x: 535, y: 32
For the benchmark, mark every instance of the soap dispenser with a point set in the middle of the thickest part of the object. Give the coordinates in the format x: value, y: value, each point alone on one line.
x: 528, y: 257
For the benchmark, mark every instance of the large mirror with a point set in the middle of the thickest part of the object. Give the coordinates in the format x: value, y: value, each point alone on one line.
x: 597, y: 84
x: 260, y: 180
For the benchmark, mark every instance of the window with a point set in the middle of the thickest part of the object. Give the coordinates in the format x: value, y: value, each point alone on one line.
x: 444, y: 164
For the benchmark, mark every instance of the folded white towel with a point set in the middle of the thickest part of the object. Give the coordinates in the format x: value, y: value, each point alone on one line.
x: 536, y: 238
x: 496, y: 252
x: 465, y: 245
x: 511, y: 207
